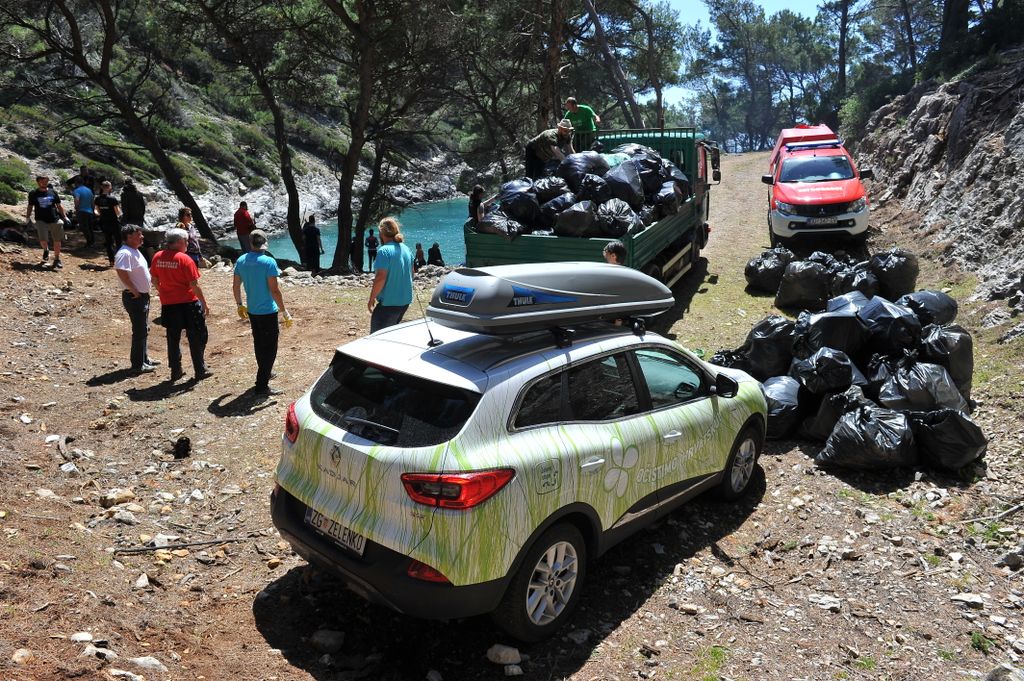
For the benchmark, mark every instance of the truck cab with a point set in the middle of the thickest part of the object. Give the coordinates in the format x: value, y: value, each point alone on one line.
x: 816, y: 188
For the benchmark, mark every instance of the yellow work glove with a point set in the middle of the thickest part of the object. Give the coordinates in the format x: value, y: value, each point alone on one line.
x: 287, y: 321
x: 243, y: 312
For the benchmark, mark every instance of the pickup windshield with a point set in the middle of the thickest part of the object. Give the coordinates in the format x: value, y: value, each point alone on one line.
x: 389, y: 407
x: 816, y: 169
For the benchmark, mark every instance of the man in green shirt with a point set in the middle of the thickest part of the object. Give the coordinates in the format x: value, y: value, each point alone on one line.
x: 584, y: 121
x: 552, y: 144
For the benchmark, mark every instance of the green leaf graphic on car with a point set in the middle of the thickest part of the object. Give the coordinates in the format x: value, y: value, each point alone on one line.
x: 617, y: 477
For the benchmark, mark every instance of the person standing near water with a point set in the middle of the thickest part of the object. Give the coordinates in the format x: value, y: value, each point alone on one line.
x: 312, y: 245
x: 371, y: 249
x: 391, y: 292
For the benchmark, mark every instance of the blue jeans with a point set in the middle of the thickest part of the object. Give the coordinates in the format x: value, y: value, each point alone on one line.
x: 138, y: 313
x: 384, y: 316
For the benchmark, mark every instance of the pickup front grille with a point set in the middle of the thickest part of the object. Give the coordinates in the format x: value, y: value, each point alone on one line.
x: 821, y: 210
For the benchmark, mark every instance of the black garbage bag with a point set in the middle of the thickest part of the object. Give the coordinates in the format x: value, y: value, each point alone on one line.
x: 555, y: 206
x: 783, y: 396
x: 680, y: 178
x: 518, y: 201
x: 827, y: 260
x: 551, y: 167
x: 953, y: 348
x: 768, y: 347
x: 577, y: 220
x: 731, y: 359
x: 921, y: 386
x: 825, y: 371
x: 947, y: 438
x: 877, y: 371
x: 616, y: 218
x: 633, y: 149
x: 820, y: 426
x: 648, y: 215
x: 897, y: 272
x: 870, y: 438
x: 575, y: 166
x: 764, y: 273
x: 668, y: 199
x: 496, y: 222
x: 594, y: 188
x: 858, y: 277
x: 548, y: 188
x: 837, y: 330
x: 931, y: 307
x: 893, y: 328
x: 848, y: 302
x: 804, y: 285
x: 652, y: 174
x: 624, y: 183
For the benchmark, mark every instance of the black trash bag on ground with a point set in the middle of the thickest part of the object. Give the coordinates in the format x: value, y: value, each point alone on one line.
x: 820, y: 426
x: 624, y: 183
x: 953, y: 348
x: 921, y: 386
x: 768, y: 347
x: 783, y: 396
x: 518, y: 201
x: 825, y: 371
x: 947, y: 438
x: 764, y: 273
x: 848, y: 302
x: 575, y: 166
x: 496, y: 222
x: 548, y: 188
x: 870, y: 438
x: 827, y: 260
x: 877, y: 371
x: 804, y: 285
x: 931, y: 307
x: 859, y: 277
x: 893, y: 328
x: 594, y: 188
x: 668, y: 199
x: 616, y: 218
x: 555, y: 206
x: 897, y: 272
x: 837, y: 330
x: 730, y: 359
x: 577, y: 220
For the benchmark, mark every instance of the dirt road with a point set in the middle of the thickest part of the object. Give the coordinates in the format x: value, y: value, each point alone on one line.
x: 812, y: 576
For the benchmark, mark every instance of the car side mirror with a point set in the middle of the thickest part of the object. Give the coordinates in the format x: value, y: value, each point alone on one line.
x: 867, y: 174
x: 725, y: 386
x: 716, y: 158
x: 767, y: 179
x: 716, y: 175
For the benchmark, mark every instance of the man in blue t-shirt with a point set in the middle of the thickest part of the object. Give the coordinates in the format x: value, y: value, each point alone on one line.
x: 257, y: 272
x: 391, y: 292
x: 83, y: 211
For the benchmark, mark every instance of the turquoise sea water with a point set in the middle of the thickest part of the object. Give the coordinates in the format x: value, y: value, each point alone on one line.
x: 424, y: 223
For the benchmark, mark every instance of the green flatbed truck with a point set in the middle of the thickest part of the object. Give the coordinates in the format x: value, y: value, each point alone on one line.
x: 666, y: 250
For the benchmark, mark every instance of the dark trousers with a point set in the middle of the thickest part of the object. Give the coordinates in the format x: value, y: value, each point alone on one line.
x: 372, y: 252
x: 313, y: 260
x: 384, y: 316
x: 187, y: 317
x: 534, y: 165
x: 111, y: 236
x: 265, y: 332
x: 85, y: 225
x: 138, y: 313
x: 583, y: 141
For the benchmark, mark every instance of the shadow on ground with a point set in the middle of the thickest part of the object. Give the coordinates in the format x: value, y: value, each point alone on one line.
x: 381, y: 644
x: 695, y: 282
x: 243, y: 405
x: 109, y: 378
x: 33, y: 266
x: 160, y: 391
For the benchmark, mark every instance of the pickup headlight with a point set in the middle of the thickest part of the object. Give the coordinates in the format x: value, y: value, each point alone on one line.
x: 857, y: 206
x: 783, y: 207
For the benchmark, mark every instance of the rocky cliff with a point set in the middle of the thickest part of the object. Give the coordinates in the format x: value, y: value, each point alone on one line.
x: 954, y: 153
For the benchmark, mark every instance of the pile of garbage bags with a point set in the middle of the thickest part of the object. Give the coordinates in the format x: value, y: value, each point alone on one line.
x: 881, y: 383
x: 808, y: 284
x: 590, y: 194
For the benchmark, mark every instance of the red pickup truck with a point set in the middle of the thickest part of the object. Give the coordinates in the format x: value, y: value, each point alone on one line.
x: 816, y: 188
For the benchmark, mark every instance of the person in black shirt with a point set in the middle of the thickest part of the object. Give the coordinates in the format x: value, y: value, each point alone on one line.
x: 371, y: 248
x: 108, y: 210
x: 478, y: 205
x: 312, y: 245
x: 434, y: 255
x: 133, y: 204
x: 50, y: 218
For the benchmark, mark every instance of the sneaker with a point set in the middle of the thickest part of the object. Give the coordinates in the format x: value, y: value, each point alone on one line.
x: 57, y: 264
x: 46, y: 254
x: 205, y: 373
x: 144, y: 369
x: 176, y: 374
x: 153, y: 362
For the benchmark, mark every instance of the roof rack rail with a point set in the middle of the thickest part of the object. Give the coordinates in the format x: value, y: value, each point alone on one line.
x: 833, y: 144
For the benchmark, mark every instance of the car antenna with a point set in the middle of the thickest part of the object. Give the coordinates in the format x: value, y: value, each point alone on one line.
x: 433, y: 343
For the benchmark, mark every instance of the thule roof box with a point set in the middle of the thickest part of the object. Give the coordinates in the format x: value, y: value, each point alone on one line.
x: 512, y: 299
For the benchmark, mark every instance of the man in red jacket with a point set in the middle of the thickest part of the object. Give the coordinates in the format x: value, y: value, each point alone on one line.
x: 244, y: 224
x: 183, y: 305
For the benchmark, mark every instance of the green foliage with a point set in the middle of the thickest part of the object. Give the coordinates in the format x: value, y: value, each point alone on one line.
x: 981, y: 643
x: 15, y: 180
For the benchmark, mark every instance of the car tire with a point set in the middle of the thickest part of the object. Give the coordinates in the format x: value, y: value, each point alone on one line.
x: 546, y: 589
x: 742, y: 463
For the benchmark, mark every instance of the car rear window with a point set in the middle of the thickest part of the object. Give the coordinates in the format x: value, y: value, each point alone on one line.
x: 389, y: 407
x: 816, y: 169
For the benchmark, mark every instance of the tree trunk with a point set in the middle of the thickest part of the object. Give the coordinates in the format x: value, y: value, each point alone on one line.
x: 372, y: 187
x: 634, y: 118
x: 955, y: 16
x: 550, y: 104
x: 284, y: 154
x: 652, y: 64
x: 908, y: 26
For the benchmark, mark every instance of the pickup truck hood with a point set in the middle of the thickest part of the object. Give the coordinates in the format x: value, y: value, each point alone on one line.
x: 805, y: 193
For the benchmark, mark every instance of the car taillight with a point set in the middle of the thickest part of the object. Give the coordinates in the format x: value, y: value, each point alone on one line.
x: 418, y: 570
x: 456, y: 490
x: 291, y: 424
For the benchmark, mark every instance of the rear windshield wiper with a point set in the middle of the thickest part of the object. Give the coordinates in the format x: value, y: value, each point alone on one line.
x: 370, y: 424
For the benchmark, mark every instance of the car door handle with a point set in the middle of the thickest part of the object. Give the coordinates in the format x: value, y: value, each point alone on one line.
x: 671, y: 435
x: 592, y: 463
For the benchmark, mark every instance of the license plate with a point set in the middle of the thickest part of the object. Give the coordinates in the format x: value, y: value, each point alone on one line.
x: 342, y: 536
x: 821, y: 221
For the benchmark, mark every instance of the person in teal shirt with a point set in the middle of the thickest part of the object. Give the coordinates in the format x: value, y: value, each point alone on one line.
x: 584, y: 123
x: 83, y: 211
x: 391, y: 292
x: 257, y: 272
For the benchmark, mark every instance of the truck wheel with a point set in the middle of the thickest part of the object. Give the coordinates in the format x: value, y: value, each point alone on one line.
x: 546, y: 589
x: 695, y: 246
x: 652, y: 271
x: 742, y: 463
